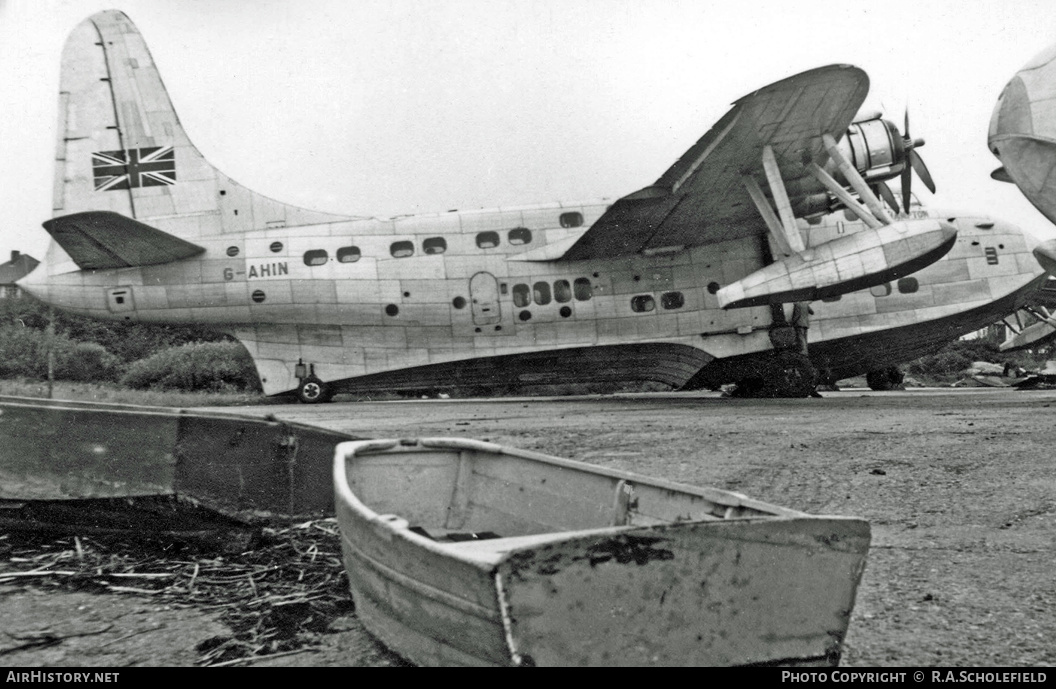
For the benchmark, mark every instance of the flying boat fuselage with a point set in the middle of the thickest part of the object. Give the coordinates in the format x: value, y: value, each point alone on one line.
x: 767, y: 241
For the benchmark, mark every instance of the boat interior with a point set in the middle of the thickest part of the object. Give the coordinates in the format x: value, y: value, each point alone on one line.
x: 454, y: 490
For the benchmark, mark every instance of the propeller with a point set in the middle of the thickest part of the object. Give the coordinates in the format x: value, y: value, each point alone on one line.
x: 917, y: 165
x: 884, y: 191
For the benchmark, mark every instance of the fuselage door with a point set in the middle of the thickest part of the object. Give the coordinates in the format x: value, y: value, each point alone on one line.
x: 119, y: 299
x: 484, y: 293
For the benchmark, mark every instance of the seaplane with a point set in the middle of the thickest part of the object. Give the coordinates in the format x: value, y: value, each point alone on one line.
x: 771, y: 255
x: 1022, y: 136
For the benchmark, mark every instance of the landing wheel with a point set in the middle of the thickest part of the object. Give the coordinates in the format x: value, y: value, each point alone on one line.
x: 794, y: 375
x: 788, y: 374
x: 313, y: 391
x: 889, y: 378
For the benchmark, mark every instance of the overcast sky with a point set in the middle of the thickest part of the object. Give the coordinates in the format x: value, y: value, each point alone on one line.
x: 398, y: 106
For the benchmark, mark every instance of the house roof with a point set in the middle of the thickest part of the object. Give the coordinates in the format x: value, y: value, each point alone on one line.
x: 17, y: 268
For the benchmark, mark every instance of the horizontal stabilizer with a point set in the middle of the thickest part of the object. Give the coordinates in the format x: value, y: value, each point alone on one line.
x: 98, y: 240
x: 857, y: 261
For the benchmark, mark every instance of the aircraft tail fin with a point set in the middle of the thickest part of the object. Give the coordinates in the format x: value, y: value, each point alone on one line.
x: 121, y: 147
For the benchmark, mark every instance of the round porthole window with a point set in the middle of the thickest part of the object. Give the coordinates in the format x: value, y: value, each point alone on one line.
x: 258, y: 296
x: 232, y: 251
x: 392, y: 310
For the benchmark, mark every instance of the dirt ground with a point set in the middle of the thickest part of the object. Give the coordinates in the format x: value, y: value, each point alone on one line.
x: 958, y: 485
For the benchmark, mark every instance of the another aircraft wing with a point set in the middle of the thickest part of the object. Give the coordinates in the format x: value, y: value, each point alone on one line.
x: 702, y: 199
x: 98, y: 240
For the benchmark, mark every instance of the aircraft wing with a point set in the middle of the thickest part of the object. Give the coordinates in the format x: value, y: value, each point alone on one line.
x: 702, y: 199
x: 97, y: 240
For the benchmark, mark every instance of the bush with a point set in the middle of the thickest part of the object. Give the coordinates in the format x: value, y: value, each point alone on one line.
x: 90, y: 350
x: 23, y: 353
x: 86, y: 362
x: 127, y: 341
x: 208, y: 366
x: 959, y: 355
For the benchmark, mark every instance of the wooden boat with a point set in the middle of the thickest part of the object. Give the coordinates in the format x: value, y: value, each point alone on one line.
x: 467, y: 552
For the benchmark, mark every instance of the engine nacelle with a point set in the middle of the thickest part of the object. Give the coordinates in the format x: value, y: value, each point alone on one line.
x: 876, y: 149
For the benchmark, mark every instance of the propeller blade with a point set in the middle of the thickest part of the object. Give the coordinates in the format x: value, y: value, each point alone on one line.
x: 885, y: 192
x: 907, y: 182
x: 922, y: 170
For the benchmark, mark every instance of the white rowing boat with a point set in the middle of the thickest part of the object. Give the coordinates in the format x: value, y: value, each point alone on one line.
x: 462, y: 552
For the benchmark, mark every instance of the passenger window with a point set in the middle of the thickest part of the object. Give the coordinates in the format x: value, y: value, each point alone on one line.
x: 881, y: 290
x: 571, y: 219
x: 315, y: 257
x: 643, y: 303
x: 402, y: 249
x: 521, y: 295
x: 488, y: 240
x: 562, y: 291
x: 519, y: 235
x: 672, y: 300
x: 434, y: 245
x: 348, y: 254
x: 908, y: 285
x: 542, y: 293
x: 583, y: 289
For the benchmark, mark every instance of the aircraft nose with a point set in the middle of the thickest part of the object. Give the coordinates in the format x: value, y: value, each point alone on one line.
x: 1012, y: 114
x: 1046, y: 255
x: 1026, y: 107
x: 1023, y: 131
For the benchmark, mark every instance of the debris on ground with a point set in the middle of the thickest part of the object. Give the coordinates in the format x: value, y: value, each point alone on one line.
x: 980, y: 381
x: 1040, y: 381
x: 276, y: 599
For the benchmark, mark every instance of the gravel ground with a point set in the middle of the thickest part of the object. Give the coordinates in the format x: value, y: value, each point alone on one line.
x: 959, y: 486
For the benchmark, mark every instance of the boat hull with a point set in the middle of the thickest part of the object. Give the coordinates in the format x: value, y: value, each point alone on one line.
x: 744, y: 590
x: 740, y: 592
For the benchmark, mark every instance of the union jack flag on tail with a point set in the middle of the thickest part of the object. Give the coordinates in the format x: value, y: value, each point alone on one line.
x: 134, y: 167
